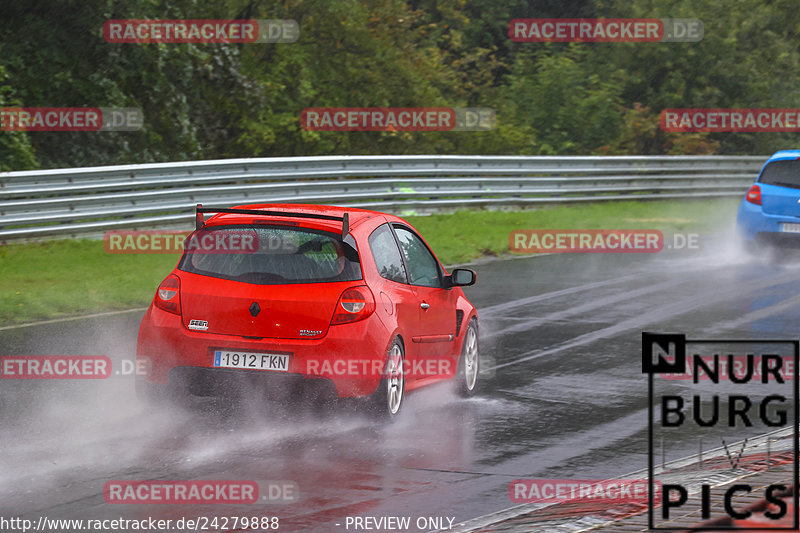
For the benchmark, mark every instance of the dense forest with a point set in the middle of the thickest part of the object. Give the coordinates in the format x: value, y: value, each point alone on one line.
x: 209, y: 101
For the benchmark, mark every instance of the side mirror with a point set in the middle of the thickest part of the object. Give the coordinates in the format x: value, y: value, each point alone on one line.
x: 462, y: 277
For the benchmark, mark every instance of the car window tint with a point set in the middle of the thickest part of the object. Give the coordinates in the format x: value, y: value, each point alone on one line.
x: 422, y: 265
x: 279, y: 256
x: 387, y: 256
x: 785, y: 173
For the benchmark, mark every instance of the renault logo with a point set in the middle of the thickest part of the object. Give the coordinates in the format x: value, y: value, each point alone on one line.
x: 254, y: 309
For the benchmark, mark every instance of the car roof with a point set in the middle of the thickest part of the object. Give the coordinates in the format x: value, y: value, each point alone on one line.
x: 784, y: 154
x: 356, y: 215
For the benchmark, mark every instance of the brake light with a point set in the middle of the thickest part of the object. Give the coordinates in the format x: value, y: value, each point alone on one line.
x: 754, y: 195
x: 355, y: 303
x: 168, y: 295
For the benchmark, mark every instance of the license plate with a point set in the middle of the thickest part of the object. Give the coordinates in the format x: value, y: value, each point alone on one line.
x: 257, y: 361
x: 788, y: 227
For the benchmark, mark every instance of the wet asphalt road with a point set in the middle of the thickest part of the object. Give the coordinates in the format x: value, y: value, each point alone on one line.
x: 562, y: 396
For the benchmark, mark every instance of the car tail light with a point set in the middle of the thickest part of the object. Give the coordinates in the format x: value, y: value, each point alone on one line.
x: 356, y: 303
x: 168, y: 295
x: 754, y: 195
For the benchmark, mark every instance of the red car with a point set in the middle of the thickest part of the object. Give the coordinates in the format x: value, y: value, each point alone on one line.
x: 295, y: 298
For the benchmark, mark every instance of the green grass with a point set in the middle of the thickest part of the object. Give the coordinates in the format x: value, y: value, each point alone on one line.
x: 71, y: 277
x: 467, y: 235
x: 68, y: 277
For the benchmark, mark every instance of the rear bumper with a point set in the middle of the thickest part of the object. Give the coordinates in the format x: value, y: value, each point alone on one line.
x: 753, y: 224
x: 350, y: 357
x: 238, y: 382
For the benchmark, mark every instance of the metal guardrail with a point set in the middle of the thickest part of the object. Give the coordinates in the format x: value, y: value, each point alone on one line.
x: 81, y: 201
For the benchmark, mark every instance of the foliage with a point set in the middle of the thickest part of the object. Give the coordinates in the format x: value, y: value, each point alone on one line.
x: 208, y: 101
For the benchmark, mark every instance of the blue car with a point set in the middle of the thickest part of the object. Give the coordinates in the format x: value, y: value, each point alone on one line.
x: 770, y: 211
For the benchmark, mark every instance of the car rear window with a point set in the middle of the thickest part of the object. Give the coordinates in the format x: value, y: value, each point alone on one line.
x: 269, y: 255
x: 785, y: 173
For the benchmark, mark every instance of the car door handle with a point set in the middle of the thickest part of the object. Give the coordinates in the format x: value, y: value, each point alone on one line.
x: 424, y: 305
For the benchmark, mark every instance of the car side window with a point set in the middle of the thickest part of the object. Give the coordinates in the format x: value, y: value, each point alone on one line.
x: 423, y: 268
x: 386, y: 255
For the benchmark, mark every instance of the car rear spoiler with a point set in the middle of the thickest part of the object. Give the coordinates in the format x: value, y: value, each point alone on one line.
x: 199, y: 221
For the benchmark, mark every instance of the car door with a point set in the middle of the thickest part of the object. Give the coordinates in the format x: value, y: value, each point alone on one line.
x: 393, y: 291
x: 435, y: 332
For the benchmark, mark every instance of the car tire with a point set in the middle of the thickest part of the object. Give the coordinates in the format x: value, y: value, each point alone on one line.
x: 469, y: 362
x: 388, y: 399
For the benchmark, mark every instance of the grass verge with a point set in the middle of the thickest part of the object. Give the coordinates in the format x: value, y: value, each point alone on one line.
x: 467, y: 235
x: 72, y: 277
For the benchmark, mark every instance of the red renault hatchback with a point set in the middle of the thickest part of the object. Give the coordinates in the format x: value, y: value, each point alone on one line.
x: 291, y: 298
